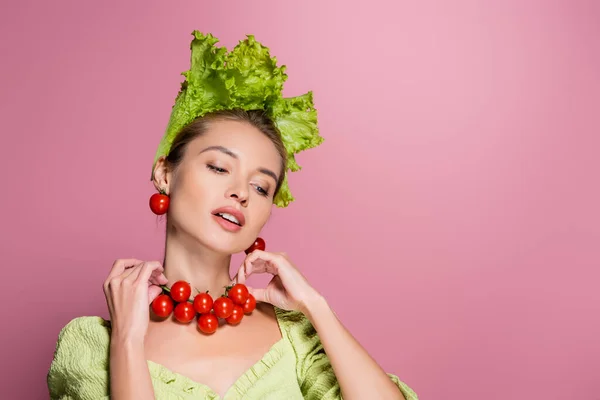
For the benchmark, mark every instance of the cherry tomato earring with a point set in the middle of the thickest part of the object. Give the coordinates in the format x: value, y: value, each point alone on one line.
x: 159, y: 202
x: 259, y: 244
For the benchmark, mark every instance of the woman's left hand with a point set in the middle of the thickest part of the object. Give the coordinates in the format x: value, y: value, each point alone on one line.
x: 288, y: 289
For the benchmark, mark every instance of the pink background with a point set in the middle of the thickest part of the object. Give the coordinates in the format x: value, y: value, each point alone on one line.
x: 451, y: 216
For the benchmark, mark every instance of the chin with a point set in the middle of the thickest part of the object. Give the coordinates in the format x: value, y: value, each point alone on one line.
x: 224, y: 246
x: 210, y: 234
x: 221, y: 241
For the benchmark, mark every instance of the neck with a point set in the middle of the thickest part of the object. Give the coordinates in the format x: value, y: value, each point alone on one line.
x: 202, y: 268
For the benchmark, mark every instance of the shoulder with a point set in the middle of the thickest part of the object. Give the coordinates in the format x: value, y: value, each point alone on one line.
x: 313, y: 368
x: 294, y: 321
x: 89, y: 324
x: 85, y: 333
x: 80, y: 362
x: 299, y: 331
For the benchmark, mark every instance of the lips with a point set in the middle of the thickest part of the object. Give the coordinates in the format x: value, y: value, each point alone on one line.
x: 231, y: 215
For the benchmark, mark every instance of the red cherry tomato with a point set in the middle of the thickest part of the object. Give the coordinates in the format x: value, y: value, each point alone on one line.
x: 238, y: 294
x: 259, y: 244
x: 162, y: 306
x: 250, y: 304
x: 236, y: 315
x: 181, y: 291
x: 208, y: 323
x: 223, y: 307
x: 203, y: 303
x: 159, y: 203
x: 184, y: 312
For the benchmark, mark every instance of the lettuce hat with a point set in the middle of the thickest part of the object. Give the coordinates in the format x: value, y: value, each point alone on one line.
x: 247, y: 78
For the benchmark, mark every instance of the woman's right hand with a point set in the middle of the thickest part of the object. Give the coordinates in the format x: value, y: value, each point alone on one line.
x: 129, y: 289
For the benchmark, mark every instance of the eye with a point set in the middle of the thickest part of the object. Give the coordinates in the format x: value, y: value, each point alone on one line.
x: 261, y: 191
x: 216, y: 169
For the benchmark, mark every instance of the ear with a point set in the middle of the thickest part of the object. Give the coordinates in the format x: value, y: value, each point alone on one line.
x: 162, y: 176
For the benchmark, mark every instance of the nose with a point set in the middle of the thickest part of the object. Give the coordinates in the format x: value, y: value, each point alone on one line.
x: 239, y: 192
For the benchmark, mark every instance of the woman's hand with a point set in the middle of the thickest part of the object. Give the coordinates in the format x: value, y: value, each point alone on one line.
x: 129, y: 289
x: 288, y: 289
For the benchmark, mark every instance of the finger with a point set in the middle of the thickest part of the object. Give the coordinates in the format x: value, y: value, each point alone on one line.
x: 147, y: 269
x: 250, y: 265
x: 158, y: 277
x: 153, y: 292
x: 251, y: 269
x: 120, y: 265
x: 161, y: 279
x: 264, y: 255
x: 109, y: 303
x: 131, y: 272
x: 240, y: 277
x: 259, y: 294
x: 258, y: 266
x: 261, y: 261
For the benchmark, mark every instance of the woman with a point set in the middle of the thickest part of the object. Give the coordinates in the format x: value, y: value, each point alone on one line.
x: 220, y: 168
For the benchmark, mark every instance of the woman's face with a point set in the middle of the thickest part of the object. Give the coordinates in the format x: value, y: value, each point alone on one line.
x: 221, y: 195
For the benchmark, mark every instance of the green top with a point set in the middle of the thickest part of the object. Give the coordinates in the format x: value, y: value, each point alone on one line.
x: 296, y: 367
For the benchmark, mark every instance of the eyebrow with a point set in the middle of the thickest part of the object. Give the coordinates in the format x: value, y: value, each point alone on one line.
x: 230, y: 153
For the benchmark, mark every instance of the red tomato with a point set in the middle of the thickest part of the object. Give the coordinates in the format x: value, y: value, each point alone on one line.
x: 184, y: 312
x: 203, y: 303
x: 159, y: 203
x: 250, y: 304
x: 259, y: 244
x: 181, y: 291
x: 208, y: 323
x: 236, y: 315
x: 223, y: 307
x: 162, y: 306
x: 238, y: 294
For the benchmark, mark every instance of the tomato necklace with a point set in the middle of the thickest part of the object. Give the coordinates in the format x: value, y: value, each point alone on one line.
x: 236, y: 302
x: 231, y: 306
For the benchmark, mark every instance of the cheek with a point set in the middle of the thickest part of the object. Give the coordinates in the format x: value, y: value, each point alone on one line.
x: 261, y: 215
x: 199, y: 185
x: 189, y: 193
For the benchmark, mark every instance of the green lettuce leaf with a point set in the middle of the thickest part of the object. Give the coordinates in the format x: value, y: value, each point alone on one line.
x: 284, y: 196
x: 253, y: 75
x: 296, y: 119
x: 203, y: 91
x: 247, y: 78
